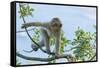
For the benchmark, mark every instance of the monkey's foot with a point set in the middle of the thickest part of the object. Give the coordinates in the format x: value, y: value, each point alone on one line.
x: 57, y: 55
x: 34, y: 47
x: 48, y: 51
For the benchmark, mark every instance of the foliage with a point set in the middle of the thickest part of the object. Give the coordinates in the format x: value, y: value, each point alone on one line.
x: 84, y: 48
x: 26, y: 10
x: 64, y: 41
x: 36, y: 34
x: 17, y: 62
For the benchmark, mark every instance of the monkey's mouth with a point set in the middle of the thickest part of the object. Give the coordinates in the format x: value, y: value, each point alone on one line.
x: 56, y: 30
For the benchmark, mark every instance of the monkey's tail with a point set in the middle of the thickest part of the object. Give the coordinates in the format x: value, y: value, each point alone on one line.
x: 28, y: 51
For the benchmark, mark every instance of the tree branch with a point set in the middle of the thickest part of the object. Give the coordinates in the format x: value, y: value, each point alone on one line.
x: 72, y: 48
x: 42, y: 59
x: 93, y: 57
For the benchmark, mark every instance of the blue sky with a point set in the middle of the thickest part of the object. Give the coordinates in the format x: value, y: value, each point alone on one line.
x: 70, y: 16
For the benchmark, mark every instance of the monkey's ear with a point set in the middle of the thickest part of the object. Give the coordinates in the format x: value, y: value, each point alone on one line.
x: 60, y: 25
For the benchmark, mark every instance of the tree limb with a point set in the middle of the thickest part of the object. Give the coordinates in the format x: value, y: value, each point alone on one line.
x: 93, y: 57
x: 42, y: 59
x: 72, y: 48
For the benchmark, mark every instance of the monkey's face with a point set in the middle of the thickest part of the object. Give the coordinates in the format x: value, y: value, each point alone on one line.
x: 55, y: 25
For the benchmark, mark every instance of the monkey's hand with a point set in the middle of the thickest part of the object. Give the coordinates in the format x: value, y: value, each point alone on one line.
x: 25, y: 25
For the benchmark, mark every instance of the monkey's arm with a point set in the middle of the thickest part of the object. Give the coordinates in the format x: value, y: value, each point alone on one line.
x: 58, y: 43
x: 33, y: 24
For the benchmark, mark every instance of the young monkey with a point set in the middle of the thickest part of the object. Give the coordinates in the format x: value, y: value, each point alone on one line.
x: 47, y: 29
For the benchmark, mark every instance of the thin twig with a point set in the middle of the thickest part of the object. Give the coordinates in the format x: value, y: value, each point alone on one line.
x: 72, y: 48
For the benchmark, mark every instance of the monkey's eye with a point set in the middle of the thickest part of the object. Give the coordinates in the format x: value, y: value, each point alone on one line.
x: 54, y: 24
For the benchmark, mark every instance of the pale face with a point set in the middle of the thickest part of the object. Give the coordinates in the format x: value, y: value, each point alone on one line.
x: 55, y: 25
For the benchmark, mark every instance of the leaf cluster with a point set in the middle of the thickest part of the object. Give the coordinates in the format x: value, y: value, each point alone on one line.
x: 84, y: 48
x: 26, y: 10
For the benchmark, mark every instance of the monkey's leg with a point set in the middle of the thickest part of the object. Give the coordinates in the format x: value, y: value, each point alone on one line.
x: 35, y: 47
x: 46, y: 40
